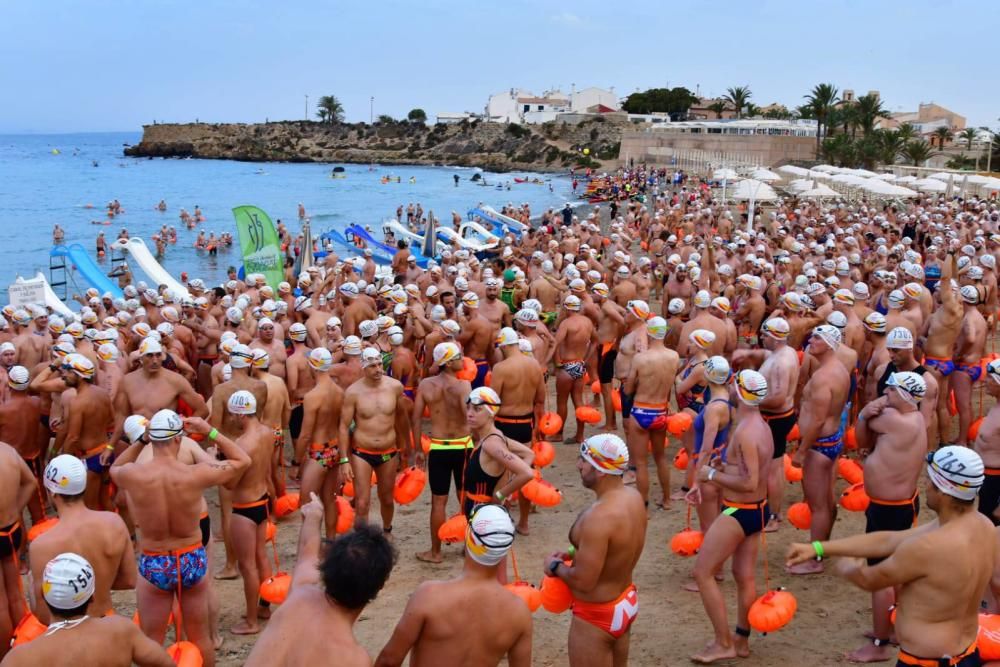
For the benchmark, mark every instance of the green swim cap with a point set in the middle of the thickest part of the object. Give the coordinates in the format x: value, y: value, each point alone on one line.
x: 509, y: 275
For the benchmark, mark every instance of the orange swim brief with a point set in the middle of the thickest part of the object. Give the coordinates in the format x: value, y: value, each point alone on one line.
x: 614, y: 617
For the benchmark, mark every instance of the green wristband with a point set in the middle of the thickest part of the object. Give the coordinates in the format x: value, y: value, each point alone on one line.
x: 571, y: 551
x: 344, y: 460
x: 818, y: 548
x: 213, y: 434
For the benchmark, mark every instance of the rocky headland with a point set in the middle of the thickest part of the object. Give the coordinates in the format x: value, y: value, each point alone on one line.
x: 492, y: 146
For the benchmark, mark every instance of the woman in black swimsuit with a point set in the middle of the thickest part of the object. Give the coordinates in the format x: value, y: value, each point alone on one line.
x: 495, y: 458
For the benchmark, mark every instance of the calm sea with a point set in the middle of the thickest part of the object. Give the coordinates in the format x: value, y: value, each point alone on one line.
x: 39, y: 188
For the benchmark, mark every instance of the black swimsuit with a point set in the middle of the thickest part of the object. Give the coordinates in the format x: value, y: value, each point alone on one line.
x: 479, y: 485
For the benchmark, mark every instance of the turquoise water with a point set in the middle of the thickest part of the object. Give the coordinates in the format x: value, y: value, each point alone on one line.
x: 39, y: 189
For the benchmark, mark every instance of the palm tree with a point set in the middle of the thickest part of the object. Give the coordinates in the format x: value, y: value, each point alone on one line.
x: 753, y: 110
x: 718, y: 107
x: 908, y: 132
x: 969, y: 134
x: 868, y: 110
x: 917, y: 151
x: 943, y: 135
x: 330, y: 109
x: 738, y: 97
x: 819, y: 103
x: 891, y: 145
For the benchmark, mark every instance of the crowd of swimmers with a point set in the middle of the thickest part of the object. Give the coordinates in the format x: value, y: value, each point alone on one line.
x: 848, y: 339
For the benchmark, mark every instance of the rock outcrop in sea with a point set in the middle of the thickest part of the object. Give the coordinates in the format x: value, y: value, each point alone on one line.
x: 491, y: 146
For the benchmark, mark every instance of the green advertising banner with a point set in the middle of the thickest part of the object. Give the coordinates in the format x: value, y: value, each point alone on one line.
x: 260, y: 244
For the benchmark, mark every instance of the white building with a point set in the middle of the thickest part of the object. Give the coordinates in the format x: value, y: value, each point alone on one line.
x: 521, y: 106
x: 449, y: 117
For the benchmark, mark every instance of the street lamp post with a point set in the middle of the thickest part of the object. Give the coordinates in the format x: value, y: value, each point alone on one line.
x: 371, y: 112
x: 307, y: 108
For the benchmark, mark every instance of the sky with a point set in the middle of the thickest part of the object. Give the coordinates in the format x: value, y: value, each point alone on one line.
x: 102, y: 65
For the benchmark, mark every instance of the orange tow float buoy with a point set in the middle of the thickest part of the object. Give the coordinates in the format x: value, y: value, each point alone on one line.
x: 850, y: 470
x: 794, y: 435
x: 792, y: 474
x: 274, y: 589
x: 41, y: 527
x: 772, y: 611
x: 555, y: 595
x: 545, y: 453
x: 527, y: 592
x: 542, y: 493
x: 185, y: 654
x: 687, y: 542
x: 851, y: 439
x: 854, y: 498
x: 988, y: 638
x: 345, y: 515
x: 468, y: 371
x: 453, y: 530
x: 678, y: 424
x: 588, y: 414
x: 800, y: 516
x: 409, y: 485
x: 286, y: 504
x: 550, y: 424
x: 681, y: 459
x: 28, y: 629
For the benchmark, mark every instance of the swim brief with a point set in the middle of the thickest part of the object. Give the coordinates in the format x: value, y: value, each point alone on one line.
x: 989, y: 494
x: 628, y: 401
x: 482, y: 368
x: 10, y: 539
x: 781, y: 424
x: 967, y: 658
x: 614, y: 617
x: 373, y: 458
x: 181, y: 567
x: 894, y: 515
x: 830, y: 446
x: 516, y: 428
x: 92, y: 457
x: 607, y: 354
x: 972, y: 370
x: 548, y: 317
x: 574, y: 369
x: 255, y: 511
x: 410, y: 392
x: 752, y: 517
x: 943, y: 366
x: 648, y: 416
x: 324, y: 454
x: 295, y: 421
x: 444, y: 465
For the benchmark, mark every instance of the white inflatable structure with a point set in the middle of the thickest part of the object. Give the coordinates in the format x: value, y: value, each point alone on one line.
x: 52, y: 302
x: 141, y: 255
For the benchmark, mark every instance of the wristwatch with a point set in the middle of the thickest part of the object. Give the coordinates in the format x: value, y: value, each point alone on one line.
x: 554, y: 567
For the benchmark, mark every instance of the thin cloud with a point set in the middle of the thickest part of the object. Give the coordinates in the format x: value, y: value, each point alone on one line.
x: 567, y: 19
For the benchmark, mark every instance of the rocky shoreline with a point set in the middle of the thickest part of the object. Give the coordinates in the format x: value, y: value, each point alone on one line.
x: 496, y: 147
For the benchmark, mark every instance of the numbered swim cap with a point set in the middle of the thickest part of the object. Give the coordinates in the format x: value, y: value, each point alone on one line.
x: 956, y: 471
x: 606, y: 452
x: 66, y: 475
x: 68, y: 581
x: 165, y: 425
x: 242, y: 403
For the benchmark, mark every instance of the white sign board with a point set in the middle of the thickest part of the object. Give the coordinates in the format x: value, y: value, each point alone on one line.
x: 23, y: 293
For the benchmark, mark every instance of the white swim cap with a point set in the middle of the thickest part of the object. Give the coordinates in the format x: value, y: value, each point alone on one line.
x: 80, y: 365
x: 107, y: 352
x: 242, y: 403
x: 320, y: 359
x: 370, y: 357
x: 150, y: 346
x: 606, y: 452
x: 18, y: 378
x: 66, y: 475
x: 352, y: 346
x: 68, y: 581
x: 527, y: 349
x: 484, y: 396
x: 135, y: 427
x: 489, y: 535
x: 241, y: 356
x: 969, y: 294
x: 657, y: 328
x: 911, y: 385
x: 899, y: 338
x: 828, y: 334
x: 165, y: 425
x: 446, y: 352
x: 956, y: 471
x: 261, y: 359
x: 297, y: 332
x: 507, y: 336
x: 702, y: 338
x: 875, y: 322
x: 572, y: 302
x: 777, y: 328
x: 717, y: 370
x: 676, y: 306
x: 751, y: 387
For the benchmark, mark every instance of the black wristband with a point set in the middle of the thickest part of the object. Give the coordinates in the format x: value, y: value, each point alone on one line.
x: 554, y: 567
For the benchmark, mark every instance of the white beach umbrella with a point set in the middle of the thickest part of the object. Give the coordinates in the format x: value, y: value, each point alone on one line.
x: 765, y: 175
x: 819, y: 192
x: 793, y: 170
x: 827, y: 168
x: 724, y: 174
x: 941, y: 176
x: 886, y: 177
x: 753, y: 189
x: 930, y: 185
x: 907, y: 179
